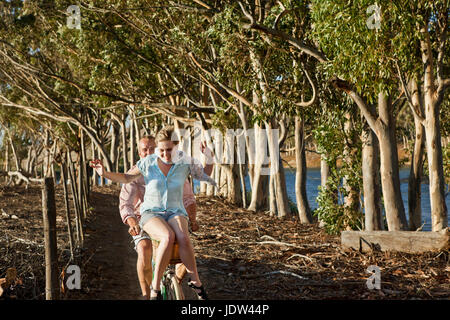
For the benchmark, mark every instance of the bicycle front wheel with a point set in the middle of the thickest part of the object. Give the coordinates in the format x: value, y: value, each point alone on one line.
x: 173, y: 289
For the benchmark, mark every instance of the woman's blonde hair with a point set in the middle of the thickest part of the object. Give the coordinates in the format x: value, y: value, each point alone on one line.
x: 167, y: 134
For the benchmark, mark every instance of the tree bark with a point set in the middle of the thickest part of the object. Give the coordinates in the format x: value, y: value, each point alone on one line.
x: 114, y: 145
x: 415, y: 177
x: 51, y: 253
x: 324, y: 171
x: 351, y: 199
x: 390, y: 180
x: 272, y: 197
x: 277, y: 171
x: 435, y: 166
x: 94, y: 173
x: 124, y: 144
x: 304, y: 210
x: 76, y: 203
x: 6, y: 157
x: 258, y: 201
x: 66, y: 202
x: 433, y: 98
x: 373, y: 219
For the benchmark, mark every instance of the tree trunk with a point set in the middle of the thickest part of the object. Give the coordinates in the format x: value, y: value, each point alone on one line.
x: 51, y: 250
x: 242, y: 179
x: 84, y: 171
x: 234, y: 188
x: 415, y: 177
x: 210, y: 188
x: 433, y: 98
x: 114, y: 145
x: 371, y: 180
x: 259, y: 148
x: 435, y: 166
x: 304, y: 210
x: 66, y: 201
x: 132, y: 141
x: 124, y: 144
x: 76, y: 203
x: 94, y: 173
x: 277, y: 170
x: 390, y: 180
x: 223, y: 182
x: 16, y: 158
x: 202, y: 188
x: 324, y: 171
x: 28, y: 161
x: 46, y: 165
x: 6, y: 158
x: 272, y: 197
x: 351, y: 199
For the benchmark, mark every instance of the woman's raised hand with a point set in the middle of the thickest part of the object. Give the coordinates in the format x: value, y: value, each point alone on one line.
x: 97, y: 165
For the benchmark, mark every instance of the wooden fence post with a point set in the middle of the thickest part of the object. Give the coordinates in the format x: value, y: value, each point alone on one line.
x: 51, y: 257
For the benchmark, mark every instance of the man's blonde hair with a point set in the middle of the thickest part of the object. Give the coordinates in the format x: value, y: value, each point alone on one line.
x: 151, y: 138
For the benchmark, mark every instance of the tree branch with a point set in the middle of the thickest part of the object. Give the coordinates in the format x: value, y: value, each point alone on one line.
x: 313, y: 86
x: 297, y: 43
x: 415, y: 108
x: 367, y: 112
x: 231, y: 91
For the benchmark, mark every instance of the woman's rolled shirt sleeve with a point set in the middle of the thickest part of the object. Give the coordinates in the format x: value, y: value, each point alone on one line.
x: 198, y: 172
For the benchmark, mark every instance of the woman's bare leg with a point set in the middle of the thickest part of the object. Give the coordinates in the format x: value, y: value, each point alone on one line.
x: 159, y: 230
x: 179, y: 225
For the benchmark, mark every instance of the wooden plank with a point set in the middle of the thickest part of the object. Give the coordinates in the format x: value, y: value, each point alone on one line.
x: 402, y: 241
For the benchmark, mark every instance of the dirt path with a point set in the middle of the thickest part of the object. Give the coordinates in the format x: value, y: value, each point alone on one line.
x: 109, y: 266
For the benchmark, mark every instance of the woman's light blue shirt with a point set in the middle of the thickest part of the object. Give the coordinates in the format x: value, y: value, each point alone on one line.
x: 165, y: 194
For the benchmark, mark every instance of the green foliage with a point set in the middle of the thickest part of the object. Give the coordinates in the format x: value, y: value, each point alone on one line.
x: 331, y: 140
x: 366, y: 57
x: 329, y: 210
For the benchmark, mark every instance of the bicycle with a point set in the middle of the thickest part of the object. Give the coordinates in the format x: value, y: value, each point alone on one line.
x: 171, y: 288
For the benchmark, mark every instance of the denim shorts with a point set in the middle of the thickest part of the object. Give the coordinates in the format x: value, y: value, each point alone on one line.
x: 143, y: 235
x: 148, y: 214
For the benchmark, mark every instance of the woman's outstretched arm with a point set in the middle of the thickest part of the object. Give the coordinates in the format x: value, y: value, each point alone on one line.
x: 115, y: 176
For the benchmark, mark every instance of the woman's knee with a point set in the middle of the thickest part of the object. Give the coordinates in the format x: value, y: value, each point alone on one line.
x: 183, y: 239
x: 167, y: 238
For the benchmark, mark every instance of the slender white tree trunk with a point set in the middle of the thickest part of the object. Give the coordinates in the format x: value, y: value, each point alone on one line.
x: 304, y: 210
x: 390, y: 180
x: 415, y: 177
x: 435, y: 166
x: 373, y: 219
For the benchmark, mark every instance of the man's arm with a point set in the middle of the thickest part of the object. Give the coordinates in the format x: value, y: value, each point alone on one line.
x: 127, y: 201
x: 190, y: 205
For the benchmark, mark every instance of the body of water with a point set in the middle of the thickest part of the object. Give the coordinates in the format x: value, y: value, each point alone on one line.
x: 312, y: 191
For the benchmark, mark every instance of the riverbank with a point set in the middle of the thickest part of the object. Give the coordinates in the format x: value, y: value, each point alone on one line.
x: 313, y: 158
